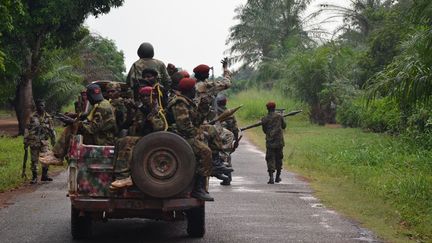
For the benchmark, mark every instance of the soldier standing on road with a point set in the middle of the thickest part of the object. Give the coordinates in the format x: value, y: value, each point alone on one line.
x: 146, y: 53
x: 36, y: 135
x: 273, y: 125
x: 187, y: 123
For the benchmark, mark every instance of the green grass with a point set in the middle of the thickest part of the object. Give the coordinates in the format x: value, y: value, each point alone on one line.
x: 376, y: 179
x: 11, y: 158
x: 6, y: 113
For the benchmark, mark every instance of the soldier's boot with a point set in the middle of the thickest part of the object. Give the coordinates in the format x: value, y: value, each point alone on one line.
x: 45, y: 176
x: 278, y: 179
x: 34, y: 178
x: 271, y: 179
x: 228, y: 181
x: 221, y: 177
x: 199, y: 189
x: 122, y: 183
x: 218, y: 165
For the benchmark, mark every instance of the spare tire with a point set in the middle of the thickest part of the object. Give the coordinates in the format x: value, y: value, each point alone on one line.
x: 163, y: 164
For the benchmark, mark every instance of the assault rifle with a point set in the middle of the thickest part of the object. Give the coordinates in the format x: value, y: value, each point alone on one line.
x: 23, y: 173
x: 292, y: 113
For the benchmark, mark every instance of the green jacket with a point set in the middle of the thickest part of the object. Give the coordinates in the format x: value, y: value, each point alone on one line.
x: 273, y: 125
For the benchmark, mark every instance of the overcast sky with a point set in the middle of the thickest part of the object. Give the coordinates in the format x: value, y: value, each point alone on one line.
x: 185, y: 33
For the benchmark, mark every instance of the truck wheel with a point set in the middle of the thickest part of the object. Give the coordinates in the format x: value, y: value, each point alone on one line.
x: 163, y: 164
x: 196, y: 222
x: 81, y: 226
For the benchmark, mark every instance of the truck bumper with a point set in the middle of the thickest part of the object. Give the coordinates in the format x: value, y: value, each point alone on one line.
x: 115, y: 204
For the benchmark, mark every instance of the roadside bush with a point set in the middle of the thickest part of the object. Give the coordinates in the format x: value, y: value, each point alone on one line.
x: 381, y: 115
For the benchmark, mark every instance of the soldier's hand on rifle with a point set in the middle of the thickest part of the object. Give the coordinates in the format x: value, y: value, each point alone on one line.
x: 224, y: 63
x: 83, y: 116
x: 67, y: 120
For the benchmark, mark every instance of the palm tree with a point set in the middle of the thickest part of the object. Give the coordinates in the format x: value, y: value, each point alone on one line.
x: 359, y: 19
x: 263, y: 27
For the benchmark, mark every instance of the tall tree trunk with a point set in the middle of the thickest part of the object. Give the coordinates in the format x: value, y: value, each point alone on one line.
x: 24, y: 103
x: 24, y: 93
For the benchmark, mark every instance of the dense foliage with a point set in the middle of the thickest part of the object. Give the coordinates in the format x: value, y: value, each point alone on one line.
x: 32, y: 28
x: 375, y: 71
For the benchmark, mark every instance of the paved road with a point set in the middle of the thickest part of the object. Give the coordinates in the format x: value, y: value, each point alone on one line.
x: 248, y: 211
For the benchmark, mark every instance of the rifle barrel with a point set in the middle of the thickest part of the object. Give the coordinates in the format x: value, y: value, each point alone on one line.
x: 292, y: 113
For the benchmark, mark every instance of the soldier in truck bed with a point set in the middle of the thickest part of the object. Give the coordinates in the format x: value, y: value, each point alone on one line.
x: 273, y: 125
x: 113, y: 90
x: 36, y: 136
x: 146, y: 53
x: 148, y: 118
x: 99, y: 128
x: 187, y: 121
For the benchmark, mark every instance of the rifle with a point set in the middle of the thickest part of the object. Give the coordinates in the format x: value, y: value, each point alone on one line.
x: 225, y: 115
x: 23, y: 174
x: 292, y: 113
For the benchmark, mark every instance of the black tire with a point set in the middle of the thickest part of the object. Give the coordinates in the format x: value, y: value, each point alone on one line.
x: 81, y: 226
x: 163, y: 164
x: 196, y: 222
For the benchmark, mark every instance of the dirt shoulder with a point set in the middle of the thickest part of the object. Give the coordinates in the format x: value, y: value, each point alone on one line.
x: 8, y: 126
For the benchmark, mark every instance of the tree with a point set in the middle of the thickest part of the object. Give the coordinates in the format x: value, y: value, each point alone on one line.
x: 8, y: 10
x: 319, y: 78
x: 100, y: 59
x: 264, y: 26
x: 45, y: 24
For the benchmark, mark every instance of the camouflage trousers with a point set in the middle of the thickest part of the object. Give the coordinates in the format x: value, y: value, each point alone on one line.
x: 227, y: 138
x: 274, y: 158
x: 61, y: 147
x: 203, y: 155
x: 211, y: 135
x: 123, y: 156
x: 34, y: 155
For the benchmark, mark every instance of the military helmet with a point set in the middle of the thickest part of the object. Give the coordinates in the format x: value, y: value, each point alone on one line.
x: 145, y: 50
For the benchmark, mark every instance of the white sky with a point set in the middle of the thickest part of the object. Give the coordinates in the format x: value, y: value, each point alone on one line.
x: 185, y: 33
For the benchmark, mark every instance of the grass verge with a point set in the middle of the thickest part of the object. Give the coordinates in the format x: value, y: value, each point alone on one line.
x: 379, y: 180
x: 11, y: 159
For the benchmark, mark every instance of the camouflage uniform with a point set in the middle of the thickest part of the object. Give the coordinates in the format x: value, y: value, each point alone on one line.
x: 135, y: 73
x: 101, y: 126
x: 187, y: 123
x: 99, y: 129
x: 230, y: 124
x: 36, y: 136
x: 273, y: 125
x: 118, y: 104
x: 147, y: 119
x: 207, y: 90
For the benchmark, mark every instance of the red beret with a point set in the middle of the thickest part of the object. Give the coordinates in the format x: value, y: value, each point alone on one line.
x: 186, y: 84
x: 271, y: 105
x: 185, y: 74
x: 146, y: 90
x: 201, y: 69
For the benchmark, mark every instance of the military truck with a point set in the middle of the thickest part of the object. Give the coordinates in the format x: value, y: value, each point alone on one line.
x: 163, y: 166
